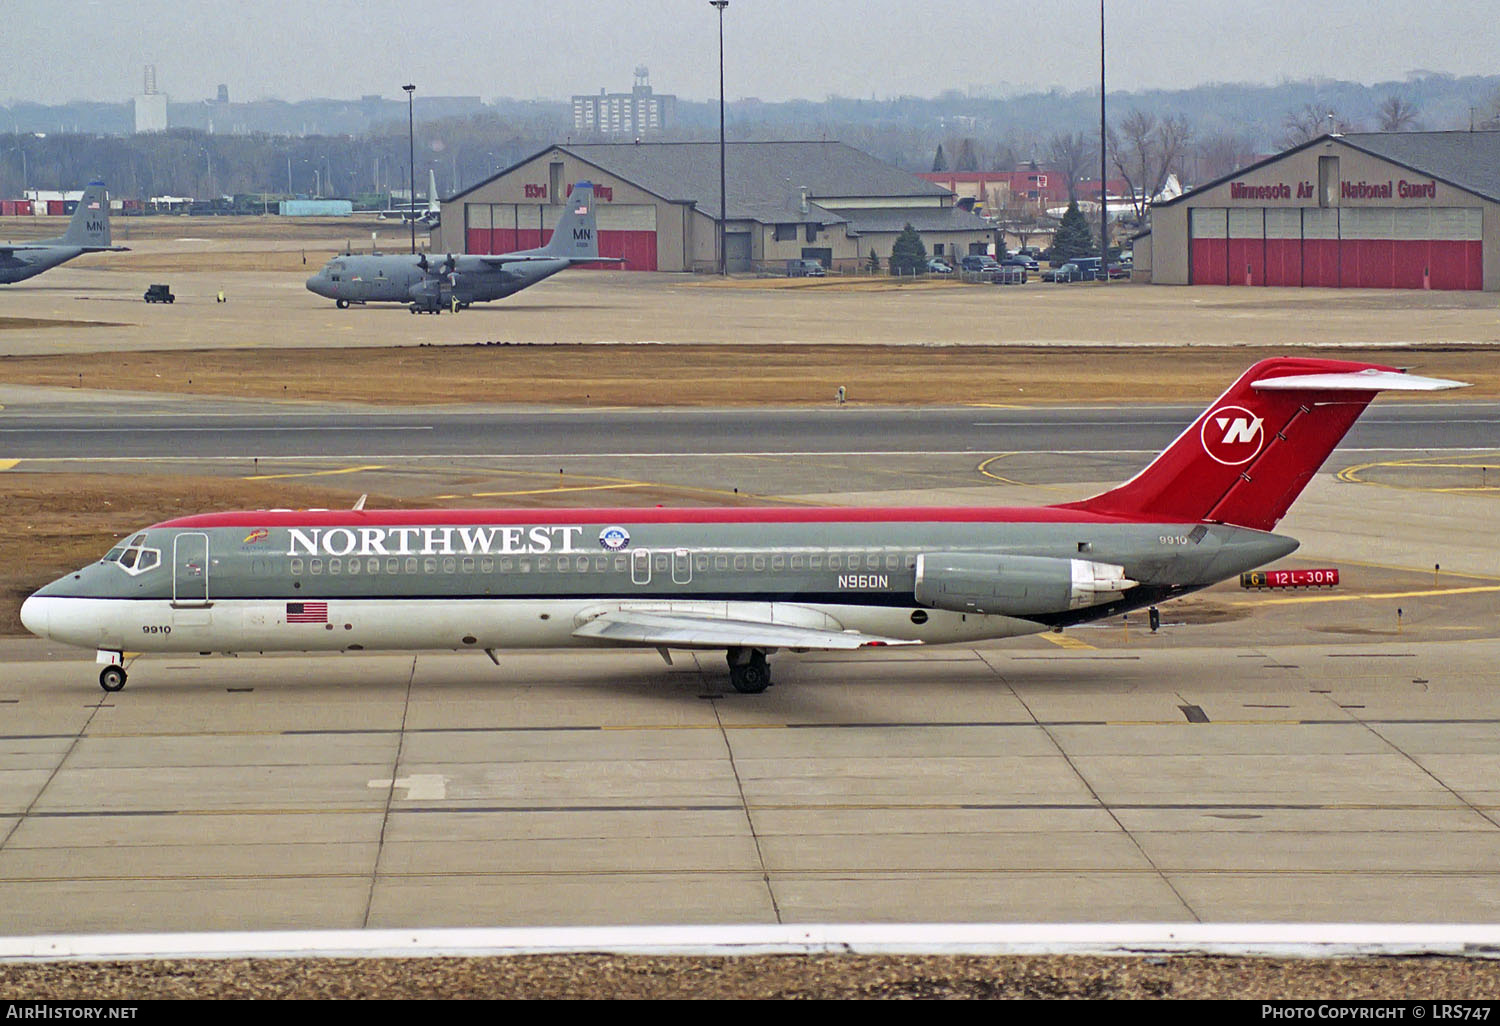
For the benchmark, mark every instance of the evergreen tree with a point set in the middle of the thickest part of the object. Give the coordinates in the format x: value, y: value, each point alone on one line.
x: 940, y: 162
x: 908, y: 254
x: 1073, y: 238
x: 873, y: 264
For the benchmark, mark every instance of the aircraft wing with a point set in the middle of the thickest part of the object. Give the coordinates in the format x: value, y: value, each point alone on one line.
x: 500, y: 261
x: 704, y: 630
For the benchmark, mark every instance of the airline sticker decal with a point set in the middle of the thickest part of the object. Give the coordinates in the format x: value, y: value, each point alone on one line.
x: 614, y: 538
x: 1232, y: 435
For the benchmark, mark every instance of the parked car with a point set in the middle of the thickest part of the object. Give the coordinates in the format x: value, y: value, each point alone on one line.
x: 805, y: 268
x: 1024, y: 263
x: 1119, y: 270
x: 978, y: 263
x: 937, y: 265
x: 1092, y: 268
x: 1067, y: 272
x: 1008, y: 273
x: 159, y: 294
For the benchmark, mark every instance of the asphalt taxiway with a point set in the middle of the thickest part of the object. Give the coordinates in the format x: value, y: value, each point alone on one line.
x: 1314, y: 756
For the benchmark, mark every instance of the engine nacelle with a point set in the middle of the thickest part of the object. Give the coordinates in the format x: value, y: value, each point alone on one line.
x: 976, y: 582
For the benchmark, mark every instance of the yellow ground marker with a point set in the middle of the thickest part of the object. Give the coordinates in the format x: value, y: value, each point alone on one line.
x: 1066, y: 641
x: 1360, y: 598
x: 1486, y: 462
x: 564, y: 488
x: 310, y: 473
x: 7, y: 464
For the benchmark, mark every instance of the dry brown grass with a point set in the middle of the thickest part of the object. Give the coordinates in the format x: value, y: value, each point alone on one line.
x: 710, y: 375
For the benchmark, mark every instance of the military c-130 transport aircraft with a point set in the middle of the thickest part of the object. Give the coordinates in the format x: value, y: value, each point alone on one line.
x: 745, y: 581
x: 88, y: 232
x: 428, y: 284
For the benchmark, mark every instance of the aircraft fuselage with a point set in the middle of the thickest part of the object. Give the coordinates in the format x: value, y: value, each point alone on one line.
x: 489, y: 579
x: 400, y: 278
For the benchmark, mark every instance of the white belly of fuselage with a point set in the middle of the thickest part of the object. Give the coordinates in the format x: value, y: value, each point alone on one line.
x: 418, y: 624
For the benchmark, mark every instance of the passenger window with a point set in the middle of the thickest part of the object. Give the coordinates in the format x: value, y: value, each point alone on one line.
x: 315, y: 566
x: 411, y: 564
x: 893, y: 562
x: 834, y: 563
x: 543, y: 565
x: 777, y: 562
x: 621, y: 564
x: 524, y: 566
x: 335, y: 566
x: 295, y: 566
x: 468, y: 564
x: 449, y: 564
x: 354, y: 566
x: 661, y: 564
x: 739, y: 562
x: 429, y: 565
x: 721, y: 562
x: 816, y: 563
x: 872, y: 562
x: 487, y: 565
x: 759, y: 563
x: 563, y: 563
x: 373, y: 566
x: 702, y: 562
x: 797, y: 562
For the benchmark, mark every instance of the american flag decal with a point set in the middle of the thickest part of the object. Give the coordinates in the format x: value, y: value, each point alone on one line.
x: 307, y: 612
x: 581, y: 210
x: 94, y: 205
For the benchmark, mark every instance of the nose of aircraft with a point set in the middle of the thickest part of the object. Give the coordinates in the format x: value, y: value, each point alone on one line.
x: 315, y: 283
x: 34, y: 615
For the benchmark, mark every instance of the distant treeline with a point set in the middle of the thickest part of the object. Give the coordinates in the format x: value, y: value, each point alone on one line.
x: 62, y: 147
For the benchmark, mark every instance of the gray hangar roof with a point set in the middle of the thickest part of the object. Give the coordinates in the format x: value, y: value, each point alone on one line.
x: 763, y: 179
x: 1468, y: 160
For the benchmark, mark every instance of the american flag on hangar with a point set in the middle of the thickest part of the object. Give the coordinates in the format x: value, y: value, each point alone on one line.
x: 307, y: 612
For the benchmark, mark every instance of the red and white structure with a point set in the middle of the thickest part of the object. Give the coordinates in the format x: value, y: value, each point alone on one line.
x: 1390, y: 210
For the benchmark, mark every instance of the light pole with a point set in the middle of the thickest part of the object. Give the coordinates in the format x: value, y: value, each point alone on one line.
x: 723, y: 256
x: 1103, y: 174
x: 411, y: 154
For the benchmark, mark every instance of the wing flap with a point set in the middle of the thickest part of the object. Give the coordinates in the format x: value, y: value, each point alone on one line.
x: 703, y: 630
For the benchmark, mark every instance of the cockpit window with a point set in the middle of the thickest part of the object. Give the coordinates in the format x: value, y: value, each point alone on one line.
x: 134, y: 558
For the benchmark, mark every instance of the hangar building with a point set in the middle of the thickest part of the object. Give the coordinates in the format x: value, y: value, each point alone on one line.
x: 1386, y: 210
x: 658, y: 204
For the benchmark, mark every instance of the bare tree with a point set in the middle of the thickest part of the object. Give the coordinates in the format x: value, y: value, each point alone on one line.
x: 1220, y: 154
x: 1397, y: 115
x: 1489, y: 113
x: 1144, y: 151
x: 1071, y: 155
x: 1300, y: 126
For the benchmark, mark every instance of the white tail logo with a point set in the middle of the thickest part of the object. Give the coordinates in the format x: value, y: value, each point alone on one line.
x: 1241, y: 429
x: 1232, y: 435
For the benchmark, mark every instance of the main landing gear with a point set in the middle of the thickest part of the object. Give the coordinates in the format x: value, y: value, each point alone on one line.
x: 748, y: 670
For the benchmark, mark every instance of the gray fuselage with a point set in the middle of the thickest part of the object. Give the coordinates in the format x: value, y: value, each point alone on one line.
x: 400, y: 278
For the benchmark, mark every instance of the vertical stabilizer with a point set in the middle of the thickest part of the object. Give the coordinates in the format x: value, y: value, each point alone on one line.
x: 576, y: 236
x: 1248, y: 456
x: 90, y: 224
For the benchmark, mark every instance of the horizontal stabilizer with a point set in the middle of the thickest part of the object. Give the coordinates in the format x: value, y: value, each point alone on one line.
x: 1370, y: 380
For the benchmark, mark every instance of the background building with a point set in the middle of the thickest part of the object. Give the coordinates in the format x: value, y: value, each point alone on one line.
x: 639, y: 112
x: 658, y: 205
x: 150, y: 106
x: 1402, y: 210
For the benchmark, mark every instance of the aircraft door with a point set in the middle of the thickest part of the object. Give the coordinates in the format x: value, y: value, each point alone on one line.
x: 682, y: 567
x: 640, y: 567
x: 190, y: 570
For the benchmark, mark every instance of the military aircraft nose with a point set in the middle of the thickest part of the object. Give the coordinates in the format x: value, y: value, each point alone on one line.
x: 315, y: 284
x: 34, y: 615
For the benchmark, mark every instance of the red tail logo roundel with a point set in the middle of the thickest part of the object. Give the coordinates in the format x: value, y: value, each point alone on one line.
x: 1232, y: 435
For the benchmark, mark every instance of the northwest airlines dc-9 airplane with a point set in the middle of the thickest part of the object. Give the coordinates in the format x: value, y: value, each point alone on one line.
x: 745, y: 581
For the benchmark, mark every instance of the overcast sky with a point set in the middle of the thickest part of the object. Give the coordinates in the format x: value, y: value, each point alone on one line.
x: 60, y: 50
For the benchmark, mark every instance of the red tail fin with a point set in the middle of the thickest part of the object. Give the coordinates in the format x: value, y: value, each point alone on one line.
x: 1249, y: 455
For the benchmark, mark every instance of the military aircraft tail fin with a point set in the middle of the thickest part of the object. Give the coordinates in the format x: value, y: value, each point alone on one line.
x: 433, y: 206
x: 1249, y: 455
x: 90, y: 224
x: 576, y: 236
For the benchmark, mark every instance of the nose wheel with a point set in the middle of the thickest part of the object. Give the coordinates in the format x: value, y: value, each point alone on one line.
x: 112, y: 678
